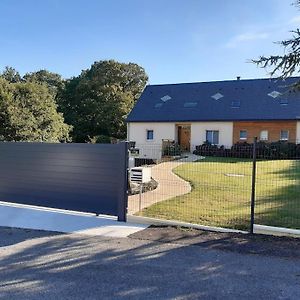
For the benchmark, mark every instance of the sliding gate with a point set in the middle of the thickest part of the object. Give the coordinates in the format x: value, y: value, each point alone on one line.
x: 80, y: 177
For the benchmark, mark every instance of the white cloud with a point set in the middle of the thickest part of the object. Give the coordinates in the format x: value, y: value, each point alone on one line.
x: 295, y: 20
x: 246, y: 37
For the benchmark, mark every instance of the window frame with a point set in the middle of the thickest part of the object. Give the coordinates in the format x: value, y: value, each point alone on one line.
x: 213, y: 136
x: 147, y: 135
x: 288, y: 135
x: 235, y: 104
x: 244, y: 138
x: 260, y: 135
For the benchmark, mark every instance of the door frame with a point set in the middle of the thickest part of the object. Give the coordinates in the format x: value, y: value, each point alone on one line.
x: 178, y: 128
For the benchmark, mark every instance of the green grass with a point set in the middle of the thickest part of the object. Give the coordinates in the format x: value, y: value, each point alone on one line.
x: 217, y: 199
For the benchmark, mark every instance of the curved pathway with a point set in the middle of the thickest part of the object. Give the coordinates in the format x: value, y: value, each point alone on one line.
x: 169, y: 185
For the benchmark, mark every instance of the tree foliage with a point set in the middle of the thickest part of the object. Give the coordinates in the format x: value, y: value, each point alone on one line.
x: 287, y: 64
x: 98, y: 101
x: 95, y: 103
x: 54, y: 81
x: 28, y: 113
x: 11, y: 75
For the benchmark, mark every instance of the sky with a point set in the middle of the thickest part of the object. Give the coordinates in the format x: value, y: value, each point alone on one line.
x: 174, y: 40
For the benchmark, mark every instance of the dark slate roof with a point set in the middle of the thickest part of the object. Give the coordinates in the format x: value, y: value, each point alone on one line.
x: 242, y: 100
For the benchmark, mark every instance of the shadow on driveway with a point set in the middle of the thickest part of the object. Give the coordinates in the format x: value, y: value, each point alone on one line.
x: 70, y: 266
x: 285, y: 247
x: 11, y: 236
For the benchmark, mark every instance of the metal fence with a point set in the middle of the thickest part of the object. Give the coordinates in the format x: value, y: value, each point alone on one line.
x: 232, y: 187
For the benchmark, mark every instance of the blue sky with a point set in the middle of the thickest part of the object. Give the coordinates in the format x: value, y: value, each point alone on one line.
x: 174, y: 40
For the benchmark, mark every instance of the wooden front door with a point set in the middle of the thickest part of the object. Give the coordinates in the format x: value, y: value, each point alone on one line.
x: 184, y: 137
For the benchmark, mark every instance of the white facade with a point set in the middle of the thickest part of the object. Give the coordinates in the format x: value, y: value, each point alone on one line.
x: 198, y: 133
x: 137, y: 132
x: 152, y: 148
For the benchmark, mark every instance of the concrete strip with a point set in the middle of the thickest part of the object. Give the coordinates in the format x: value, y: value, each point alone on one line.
x: 153, y: 221
x: 25, y: 216
x: 278, y: 231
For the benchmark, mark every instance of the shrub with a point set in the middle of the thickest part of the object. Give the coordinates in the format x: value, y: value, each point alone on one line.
x: 172, y: 149
x: 274, y: 150
x: 100, y: 139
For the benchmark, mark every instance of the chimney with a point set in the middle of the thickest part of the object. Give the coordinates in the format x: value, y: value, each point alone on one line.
x: 238, y: 77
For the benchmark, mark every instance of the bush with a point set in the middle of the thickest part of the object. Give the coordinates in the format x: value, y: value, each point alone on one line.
x: 100, y: 139
x: 172, y: 150
x: 207, y: 149
x: 274, y: 150
x: 241, y: 150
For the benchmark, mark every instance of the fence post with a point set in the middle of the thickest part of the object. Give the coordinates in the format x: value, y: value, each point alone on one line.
x: 123, y: 197
x: 253, y: 186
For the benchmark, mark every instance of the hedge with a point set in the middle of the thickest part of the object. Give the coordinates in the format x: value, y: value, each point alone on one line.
x: 274, y: 150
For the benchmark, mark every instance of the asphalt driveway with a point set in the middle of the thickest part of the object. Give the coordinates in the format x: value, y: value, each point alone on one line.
x: 44, y: 265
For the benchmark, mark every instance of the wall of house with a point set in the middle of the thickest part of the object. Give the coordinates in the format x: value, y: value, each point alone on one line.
x: 274, y: 128
x: 298, y: 133
x: 150, y: 149
x: 229, y: 133
x: 198, y: 132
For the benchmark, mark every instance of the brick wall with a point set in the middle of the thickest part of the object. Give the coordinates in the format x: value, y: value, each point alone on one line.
x: 254, y: 129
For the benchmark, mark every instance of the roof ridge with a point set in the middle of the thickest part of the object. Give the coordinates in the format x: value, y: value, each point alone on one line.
x: 229, y: 80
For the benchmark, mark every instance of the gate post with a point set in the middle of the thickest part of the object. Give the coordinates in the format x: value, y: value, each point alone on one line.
x: 123, y: 191
x: 253, y: 186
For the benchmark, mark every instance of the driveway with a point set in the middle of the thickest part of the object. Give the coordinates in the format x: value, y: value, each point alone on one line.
x: 43, y: 265
x: 169, y: 185
x: 51, y: 219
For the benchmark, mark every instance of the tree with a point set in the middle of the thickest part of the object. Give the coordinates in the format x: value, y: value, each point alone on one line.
x: 28, y: 113
x: 287, y: 64
x: 98, y: 101
x: 11, y: 75
x: 54, y: 81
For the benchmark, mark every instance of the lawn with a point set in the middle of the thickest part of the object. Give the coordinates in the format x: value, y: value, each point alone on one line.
x: 221, y: 192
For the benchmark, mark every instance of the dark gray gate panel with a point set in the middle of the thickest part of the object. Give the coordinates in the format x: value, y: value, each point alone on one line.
x: 82, y: 177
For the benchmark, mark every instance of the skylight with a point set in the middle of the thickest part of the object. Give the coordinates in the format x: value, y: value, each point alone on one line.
x: 190, y: 104
x: 235, y: 104
x: 166, y: 98
x: 284, y: 101
x: 158, y: 105
x: 217, y: 96
x: 274, y: 94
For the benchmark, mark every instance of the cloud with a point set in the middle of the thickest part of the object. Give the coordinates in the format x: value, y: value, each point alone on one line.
x: 295, y: 20
x: 246, y: 37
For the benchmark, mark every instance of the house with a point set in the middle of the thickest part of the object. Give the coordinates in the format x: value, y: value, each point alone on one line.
x: 220, y: 112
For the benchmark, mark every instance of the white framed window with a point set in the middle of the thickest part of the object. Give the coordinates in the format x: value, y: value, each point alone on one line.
x: 284, y: 135
x: 212, y: 136
x: 150, y: 135
x: 264, y: 135
x: 243, y: 134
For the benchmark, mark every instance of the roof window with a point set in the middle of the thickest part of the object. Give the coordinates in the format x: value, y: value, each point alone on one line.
x: 236, y: 104
x: 217, y: 96
x: 274, y: 94
x: 158, y: 105
x: 166, y: 98
x: 284, y: 101
x: 190, y: 104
